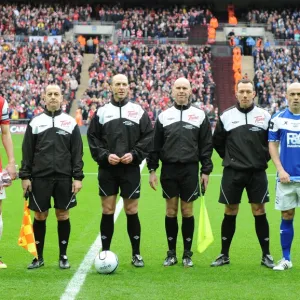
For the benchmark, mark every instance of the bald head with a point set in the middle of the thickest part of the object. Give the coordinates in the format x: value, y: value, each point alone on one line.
x: 182, y: 81
x: 181, y: 91
x: 293, y: 96
x: 53, y: 87
x: 118, y: 77
x: 294, y: 85
x: 120, y: 87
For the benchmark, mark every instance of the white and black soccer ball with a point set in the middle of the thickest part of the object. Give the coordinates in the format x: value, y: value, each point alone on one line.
x: 106, y: 262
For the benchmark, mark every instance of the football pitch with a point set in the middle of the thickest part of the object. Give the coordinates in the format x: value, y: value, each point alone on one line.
x: 244, y: 278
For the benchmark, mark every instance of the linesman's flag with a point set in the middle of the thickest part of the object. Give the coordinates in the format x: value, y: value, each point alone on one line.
x: 26, y: 238
x: 205, y: 235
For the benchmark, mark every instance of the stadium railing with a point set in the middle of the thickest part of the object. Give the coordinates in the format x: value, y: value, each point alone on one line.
x: 155, y: 41
x: 95, y: 22
x: 19, y: 121
x: 242, y: 24
x: 285, y: 43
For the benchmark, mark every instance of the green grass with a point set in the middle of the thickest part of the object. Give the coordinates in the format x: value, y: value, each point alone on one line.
x: 244, y: 278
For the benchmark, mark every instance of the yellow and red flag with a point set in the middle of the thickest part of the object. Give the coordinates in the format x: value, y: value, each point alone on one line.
x: 26, y: 238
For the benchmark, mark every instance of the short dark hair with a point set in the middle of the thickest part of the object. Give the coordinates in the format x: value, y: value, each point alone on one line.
x: 245, y: 81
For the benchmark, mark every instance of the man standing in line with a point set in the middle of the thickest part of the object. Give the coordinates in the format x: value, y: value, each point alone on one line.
x: 51, y: 156
x: 285, y: 132
x: 10, y: 168
x: 182, y: 138
x: 241, y: 140
x: 119, y: 137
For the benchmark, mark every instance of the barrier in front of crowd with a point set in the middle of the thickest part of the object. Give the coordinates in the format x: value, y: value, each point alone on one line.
x: 18, y: 126
x: 242, y: 24
x: 284, y: 43
x: 154, y: 41
x: 10, y: 40
x: 51, y: 39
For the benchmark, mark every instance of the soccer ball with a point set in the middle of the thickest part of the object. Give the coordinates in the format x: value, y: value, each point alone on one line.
x: 106, y: 262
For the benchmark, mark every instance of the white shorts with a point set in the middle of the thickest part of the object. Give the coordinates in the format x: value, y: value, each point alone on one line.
x: 287, y: 196
x: 2, y: 193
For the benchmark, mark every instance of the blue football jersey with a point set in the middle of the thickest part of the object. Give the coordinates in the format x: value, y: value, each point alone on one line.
x: 285, y: 129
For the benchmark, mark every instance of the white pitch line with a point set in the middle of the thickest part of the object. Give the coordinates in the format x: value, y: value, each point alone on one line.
x: 75, y: 284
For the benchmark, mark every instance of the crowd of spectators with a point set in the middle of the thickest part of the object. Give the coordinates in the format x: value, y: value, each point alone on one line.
x: 284, y: 23
x: 151, y: 72
x: 25, y: 70
x: 275, y: 68
x: 55, y: 19
x: 172, y: 22
x: 43, y: 19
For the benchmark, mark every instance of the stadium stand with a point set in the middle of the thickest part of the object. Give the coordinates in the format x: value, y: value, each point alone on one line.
x: 275, y: 68
x: 151, y: 72
x: 284, y: 23
x: 41, y: 20
x: 26, y: 69
x: 36, y: 64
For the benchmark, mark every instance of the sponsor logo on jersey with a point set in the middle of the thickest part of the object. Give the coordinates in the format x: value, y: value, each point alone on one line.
x: 293, y: 140
x: 128, y: 123
x: 108, y: 117
x: 235, y: 122
x: 40, y: 126
x: 65, y: 123
x: 259, y: 119
x: 132, y: 114
x: 193, y: 118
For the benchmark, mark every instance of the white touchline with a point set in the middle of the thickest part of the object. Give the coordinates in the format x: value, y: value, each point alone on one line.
x: 75, y: 284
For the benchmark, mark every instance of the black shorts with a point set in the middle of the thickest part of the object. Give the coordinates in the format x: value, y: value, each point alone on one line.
x: 45, y: 188
x: 234, y: 182
x: 127, y: 178
x: 180, y: 180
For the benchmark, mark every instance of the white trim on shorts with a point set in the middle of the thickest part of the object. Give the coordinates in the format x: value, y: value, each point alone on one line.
x: 194, y: 192
x: 224, y: 194
x: 134, y: 191
x: 35, y: 202
x: 168, y: 197
x: 102, y: 191
x: 73, y: 199
x: 266, y: 194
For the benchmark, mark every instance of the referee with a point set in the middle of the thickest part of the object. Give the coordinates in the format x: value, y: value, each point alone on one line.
x: 119, y: 137
x: 241, y: 140
x: 182, y: 138
x: 52, y: 166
